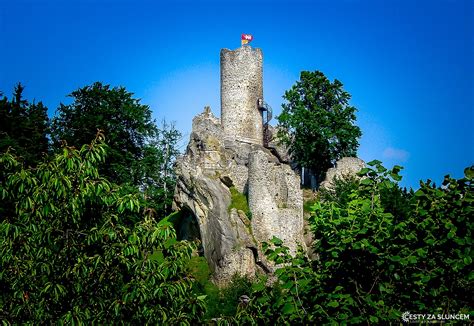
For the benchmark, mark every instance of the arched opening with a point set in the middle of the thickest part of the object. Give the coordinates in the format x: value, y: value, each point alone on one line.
x: 187, y: 228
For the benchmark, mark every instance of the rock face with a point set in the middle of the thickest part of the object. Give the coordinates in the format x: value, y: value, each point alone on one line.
x: 231, y: 240
x: 275, y: 199
x: 345, y: 167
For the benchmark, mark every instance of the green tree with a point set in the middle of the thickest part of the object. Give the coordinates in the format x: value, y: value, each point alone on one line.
x: 158, y: 164
x: 317, y: 123
x: 139, y: 155
x: 375, y: 260
x: 79, y: 249
x: 126, y: 123
x: 24, y: 127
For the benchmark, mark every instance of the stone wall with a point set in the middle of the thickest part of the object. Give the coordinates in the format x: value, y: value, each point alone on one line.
x: 231, y: 240
x: 229, y: 154
x: 275, y: 200
x: 346, y: 167
x: 241, y: 87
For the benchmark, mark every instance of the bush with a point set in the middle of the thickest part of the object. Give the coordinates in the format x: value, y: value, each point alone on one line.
x: 76, y: 248
x: 374, y: 265
x: 340, y: 191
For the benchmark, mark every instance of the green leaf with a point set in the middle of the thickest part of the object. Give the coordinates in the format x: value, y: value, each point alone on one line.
x: 374, y: 319
x: 412, y: 259
x: 386, y: 184
x: 469, y: 172
x: 333, y: 304
x: 288, y: 309
x: 374, y: 163
x: 276, y: 241
x: 366, y: 181
x: 396, y: 177
x: 257, y: 287
x: 396, y: 169
x: 364, y: 171
x: 395, y: 258
x: 420, y: 193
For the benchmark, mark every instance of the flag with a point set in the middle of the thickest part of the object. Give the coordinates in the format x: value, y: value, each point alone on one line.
x: 246, y: 38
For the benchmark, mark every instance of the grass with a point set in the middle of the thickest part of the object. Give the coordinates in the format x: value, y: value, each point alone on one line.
x: 307, y: 205
x: 199, y: 269
x: 239, y: 202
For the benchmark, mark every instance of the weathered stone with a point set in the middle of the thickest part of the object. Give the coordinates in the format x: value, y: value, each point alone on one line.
x: 241, y: 87
x: 231, y: 242
x: 222, y: 238
x: 277, y: 149
x: 230, y: 153
x: 345, y: 167
x: 276, y: 201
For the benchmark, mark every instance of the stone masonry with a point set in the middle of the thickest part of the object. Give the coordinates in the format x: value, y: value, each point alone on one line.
x: 227, y: 154
x: 345, y: 167
x: 241, y: 87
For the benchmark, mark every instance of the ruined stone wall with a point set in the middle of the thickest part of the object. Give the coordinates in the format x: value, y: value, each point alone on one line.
x: 275, y: 200
x: 241, y: 87
x: 346, y: 167
x: 231, y: 240
x: 225, y: 155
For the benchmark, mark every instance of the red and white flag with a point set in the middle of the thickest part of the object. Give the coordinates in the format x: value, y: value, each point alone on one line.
x: 246, y: 38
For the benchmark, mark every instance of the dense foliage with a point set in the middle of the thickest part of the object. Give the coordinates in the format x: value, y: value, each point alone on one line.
x: 317, y: 123
x: 76, y: 248
x: 80, y: 240
x: 125, y: 121
x: 374, y: 265
x: 139, y: 155
x: 24, y: 127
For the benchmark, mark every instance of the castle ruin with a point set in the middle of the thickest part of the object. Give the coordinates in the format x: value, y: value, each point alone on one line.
x: 241, y: 88
x: 227, y: 157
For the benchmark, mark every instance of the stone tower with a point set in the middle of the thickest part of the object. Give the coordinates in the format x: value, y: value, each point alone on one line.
x: 241, y: 87
x: 226, y: 160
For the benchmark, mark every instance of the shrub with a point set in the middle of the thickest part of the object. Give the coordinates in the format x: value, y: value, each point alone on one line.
x: 374, y: 265
x: 77, y: 249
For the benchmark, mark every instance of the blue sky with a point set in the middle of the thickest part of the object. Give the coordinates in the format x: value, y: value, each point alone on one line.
x: 409, y: 65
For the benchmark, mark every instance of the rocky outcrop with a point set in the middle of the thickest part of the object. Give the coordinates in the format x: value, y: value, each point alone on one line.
x: 279, y: 150
x: 231, y: 240
x: 275, y: 199
x: 345, y: 167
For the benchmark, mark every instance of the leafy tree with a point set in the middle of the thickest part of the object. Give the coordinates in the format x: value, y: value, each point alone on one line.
x: 158, y: 164
x: 139, y: 155
x: 79, y: 249
x: 394, y: 199
x: 317, y: 123
x: 340, y: 191
x: 126, y: 123
x: 24, y: 127
x: 374, y: 265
